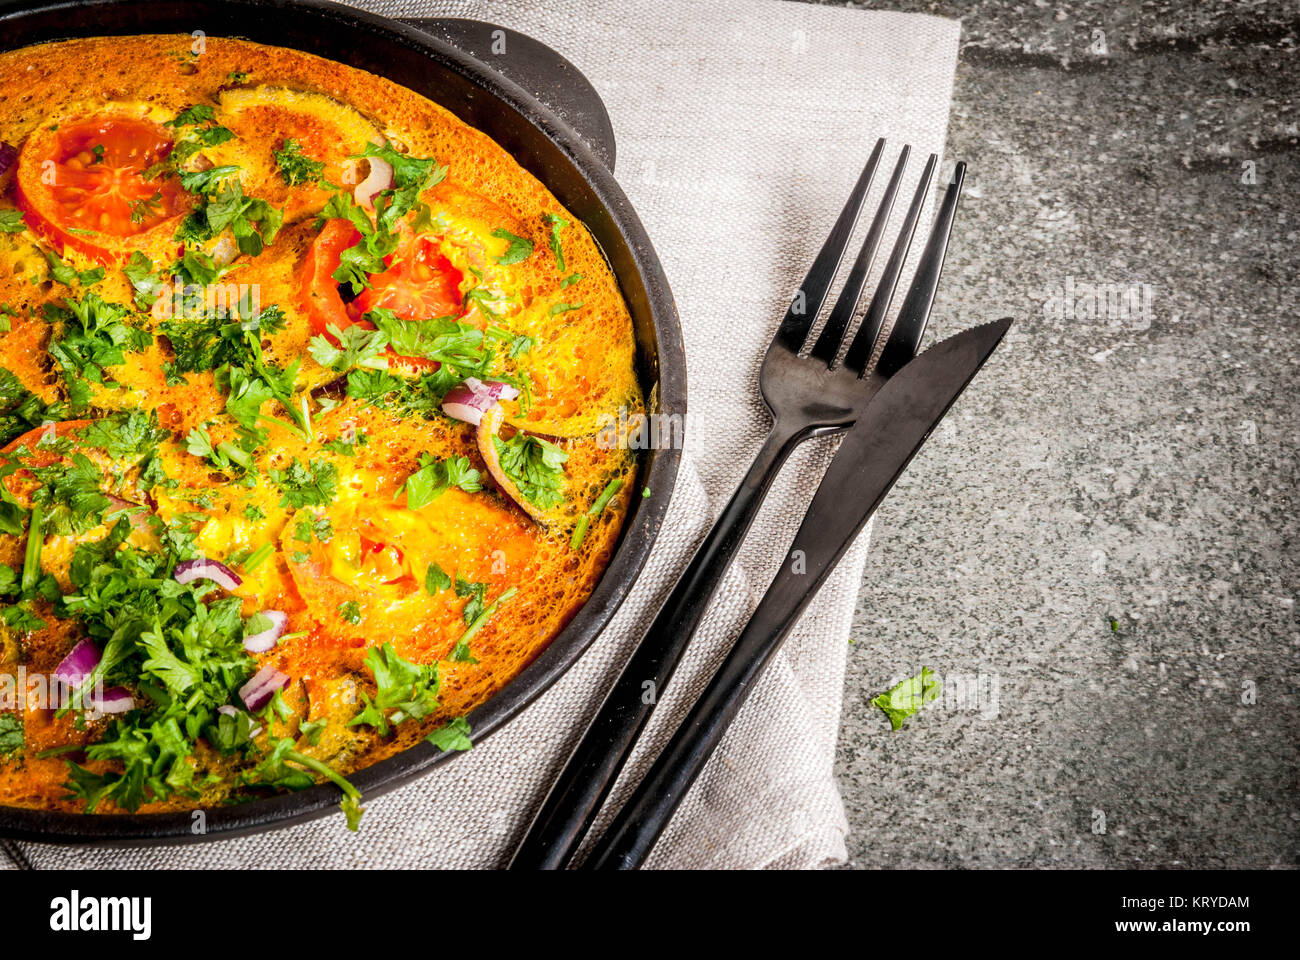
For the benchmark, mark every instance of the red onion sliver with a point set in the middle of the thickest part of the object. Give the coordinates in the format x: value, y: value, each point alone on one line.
x: 380, y: 178
x: 491, y: 389
x: 468, y: 401
x: 462, y: 411
x: 203, y: 569
x: 258, y: 691
x: 8, y: 156
x: 112, y: 700
x: 264, y: 641
x: 77, y: 665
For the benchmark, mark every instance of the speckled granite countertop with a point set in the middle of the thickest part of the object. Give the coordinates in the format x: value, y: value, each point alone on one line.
x: 1099, y: 549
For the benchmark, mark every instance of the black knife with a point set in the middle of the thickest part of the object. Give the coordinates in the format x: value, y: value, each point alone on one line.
x: 873, y: 455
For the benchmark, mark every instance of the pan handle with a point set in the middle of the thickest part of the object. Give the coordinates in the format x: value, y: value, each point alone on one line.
x: 537, y: 68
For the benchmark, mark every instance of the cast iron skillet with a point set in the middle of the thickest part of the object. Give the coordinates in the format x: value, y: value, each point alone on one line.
x: 543, y: 144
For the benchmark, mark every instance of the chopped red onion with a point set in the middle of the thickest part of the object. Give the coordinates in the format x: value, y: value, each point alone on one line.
x: 112, y: 700
x: 8, y: 156
x: 468, y: 401
x: 258, y: 691
x: 264, y: 641
x: 379, y: 178
x: 204, y: 569
x: 77, y: 665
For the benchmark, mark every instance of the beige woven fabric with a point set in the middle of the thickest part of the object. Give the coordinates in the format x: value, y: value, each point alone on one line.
x: 741, y: 127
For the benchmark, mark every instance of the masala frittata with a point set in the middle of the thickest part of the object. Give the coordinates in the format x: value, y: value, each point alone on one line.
x: 300, y: 387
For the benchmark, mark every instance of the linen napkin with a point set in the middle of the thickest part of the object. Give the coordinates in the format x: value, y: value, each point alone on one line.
x: 741, y: 127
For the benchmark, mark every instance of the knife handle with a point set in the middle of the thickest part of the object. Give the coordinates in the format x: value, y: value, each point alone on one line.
x: 594, y: 766
x: 633, y: 832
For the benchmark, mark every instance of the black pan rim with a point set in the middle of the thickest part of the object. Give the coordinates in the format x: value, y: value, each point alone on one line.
x: 658, y: 472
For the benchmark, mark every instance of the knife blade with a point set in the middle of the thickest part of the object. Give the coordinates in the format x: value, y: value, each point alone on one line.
x: 875, y: 452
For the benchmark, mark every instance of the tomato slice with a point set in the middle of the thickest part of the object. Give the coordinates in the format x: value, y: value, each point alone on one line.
x: 419, y: 284
x: 88, y: 175
x: 318, y: 289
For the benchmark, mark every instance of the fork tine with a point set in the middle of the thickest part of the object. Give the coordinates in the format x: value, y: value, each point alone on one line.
x: 860, y: 351
x: 828, y: 344
x: 905, y: 338
x: 808, y: 302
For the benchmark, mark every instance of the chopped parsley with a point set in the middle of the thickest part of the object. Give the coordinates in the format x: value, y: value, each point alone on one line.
x: 92, y: 335
x: 379, y: 238
x: 130, y: 434
x: 536, y: 466
x: 350, y: 611
x: 436, y: 580
x: 295, y: 167
x: 402, y: 690
x: 357, y: 347
x: 196, y: 129
x: 313, y: 485
x: 473, y: 593
x: 347, y: 445
x: 20, y: 409
x: 519, y: 250
x: 146, y: 207
x: 908, y: 697
x: 11, y: 734
x: 558, y: 224
x: 71, y: 496
x: 451, y: 736
x: 252, y: 222
x: 597, y: 508
x: 11, y: 221
x: 436, y: 476
x: 68, y: 275
x: 146, y: 280
x: 461, y: 652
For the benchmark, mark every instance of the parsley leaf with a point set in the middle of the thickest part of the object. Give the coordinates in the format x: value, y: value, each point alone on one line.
x: 436, y: 476
x: 357, y: 347
x: 435, y: 580
x: 536, y: 466
x: 519, y: 250
x: 92, y: 335
x: 252, y: 222
x: 905, y: 699
x: 453, y: 735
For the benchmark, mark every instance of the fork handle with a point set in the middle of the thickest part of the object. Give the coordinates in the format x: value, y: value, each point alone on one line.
x: 595, y: 763
x: 633, y: 832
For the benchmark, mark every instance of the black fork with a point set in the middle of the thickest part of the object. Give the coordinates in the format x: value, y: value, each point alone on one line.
x: 808, y: 396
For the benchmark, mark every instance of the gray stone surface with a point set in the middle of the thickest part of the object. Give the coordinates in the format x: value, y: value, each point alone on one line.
x: 1135, y: 469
